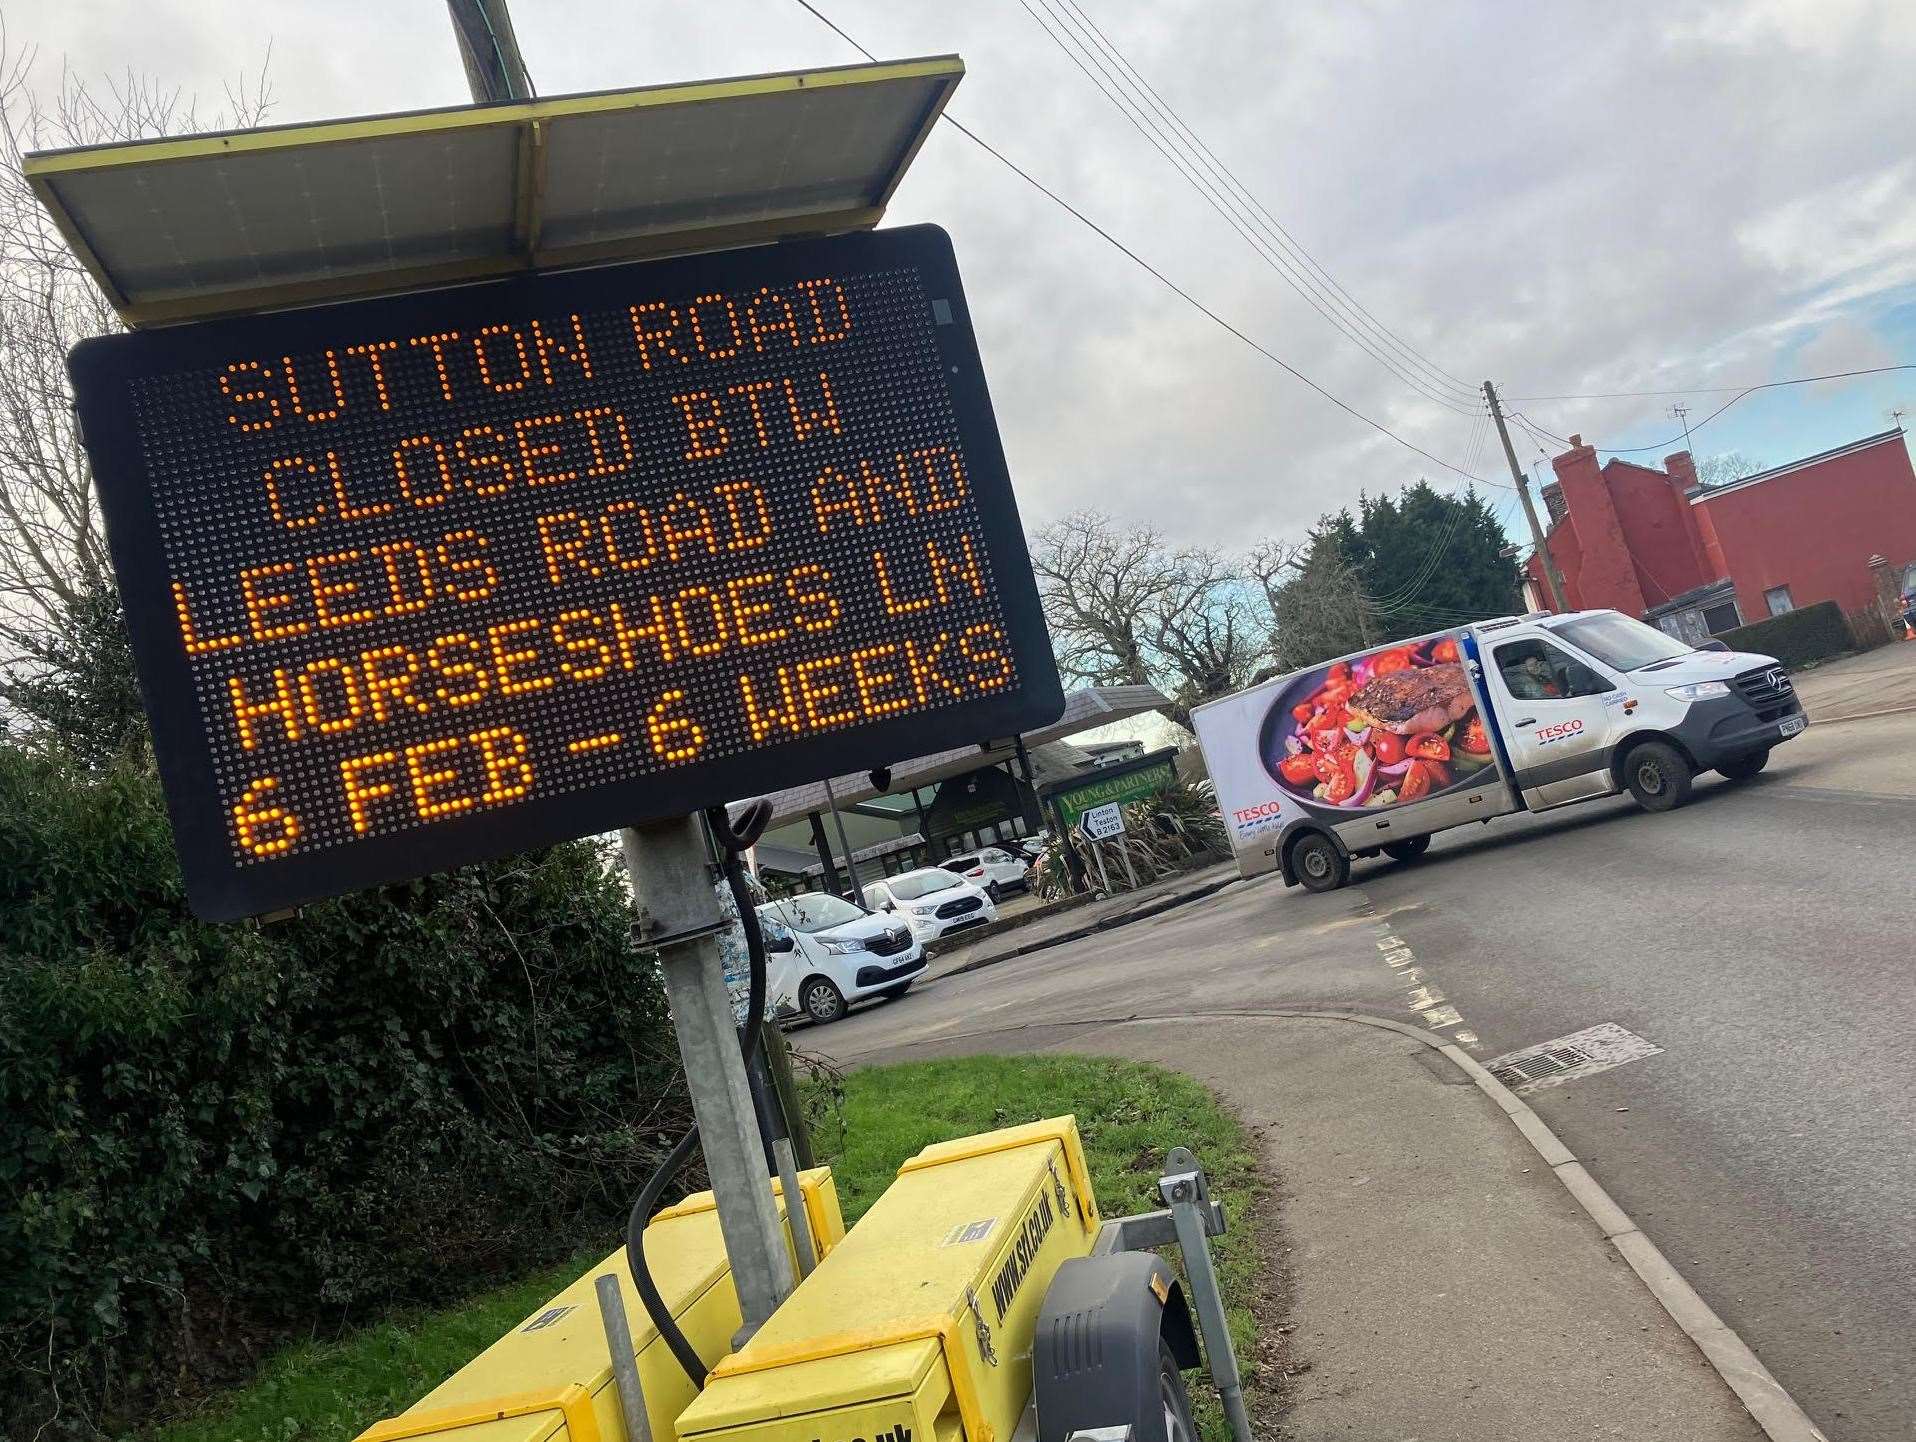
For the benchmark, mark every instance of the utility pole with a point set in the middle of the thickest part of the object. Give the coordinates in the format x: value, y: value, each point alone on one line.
x: 494, y: 68
x: 1682, y: 413
x: 1550, y: 571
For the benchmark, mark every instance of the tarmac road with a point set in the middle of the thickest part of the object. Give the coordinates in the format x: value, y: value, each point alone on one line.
x: 1761, y: 936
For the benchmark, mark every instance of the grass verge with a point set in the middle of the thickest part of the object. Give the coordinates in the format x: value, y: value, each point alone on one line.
x: 1128, y: 1113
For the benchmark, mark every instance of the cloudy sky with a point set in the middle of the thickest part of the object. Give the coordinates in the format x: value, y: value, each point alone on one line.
x: 1565, y: 198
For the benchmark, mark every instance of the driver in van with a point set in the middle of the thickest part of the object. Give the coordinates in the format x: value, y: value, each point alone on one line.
x: 1531, y: 680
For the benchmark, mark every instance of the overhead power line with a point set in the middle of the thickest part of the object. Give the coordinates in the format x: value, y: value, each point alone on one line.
x: 1075, y: 34
x: 1157, y: 274
x: 1746, y: 391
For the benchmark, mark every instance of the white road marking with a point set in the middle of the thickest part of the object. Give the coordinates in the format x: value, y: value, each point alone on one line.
x: 1432, y: 1007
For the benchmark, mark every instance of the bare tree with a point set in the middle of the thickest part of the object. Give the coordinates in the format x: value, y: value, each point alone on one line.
x: 52, y: 547
x: 1205, y: 630
x: 1724, y: 467
x: 1126, y: 609
x: 1101, y: 586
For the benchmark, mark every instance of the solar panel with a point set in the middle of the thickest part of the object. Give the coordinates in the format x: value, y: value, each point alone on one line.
x: 222, y: 224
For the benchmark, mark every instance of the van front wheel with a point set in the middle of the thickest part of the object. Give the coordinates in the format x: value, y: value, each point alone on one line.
x: 1658, y: 776
x: 1742, y: 768
x: 1319, y: 863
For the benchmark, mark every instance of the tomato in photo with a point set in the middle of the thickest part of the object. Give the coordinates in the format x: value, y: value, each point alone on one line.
x: 1444, y: 650
x: 1416, y: 782
x: 1299, y: 770
x: 1472, y: 738
x: 1428, y: 747
x: 1387, y: 747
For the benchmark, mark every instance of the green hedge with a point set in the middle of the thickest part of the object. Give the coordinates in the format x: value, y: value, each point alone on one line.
x: 1808, y: 634
x: 214, y: 1138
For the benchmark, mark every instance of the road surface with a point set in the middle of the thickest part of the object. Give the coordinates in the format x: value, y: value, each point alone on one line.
x: 1761, y: 936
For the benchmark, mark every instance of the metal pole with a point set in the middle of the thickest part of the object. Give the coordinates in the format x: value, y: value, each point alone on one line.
x: 1550, y: 571
x: 796, y: 1217
x: 851, y: 870
x: 1181, y: 1191
x: 778, y: 1058
x: 495, y: 70
x: 625, y: 1363
x: 1129, y: 870
x: 678, y: 915
x: 1104, y: 879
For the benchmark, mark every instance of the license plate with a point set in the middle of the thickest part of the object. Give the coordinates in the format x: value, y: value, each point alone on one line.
x: 1792, y: 724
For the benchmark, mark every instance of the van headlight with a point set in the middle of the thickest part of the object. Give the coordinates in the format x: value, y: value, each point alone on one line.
x: 1698, y: 691
x: 842, y: 948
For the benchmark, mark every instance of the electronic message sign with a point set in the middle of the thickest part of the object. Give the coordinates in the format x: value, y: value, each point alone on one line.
x: 418, y: 581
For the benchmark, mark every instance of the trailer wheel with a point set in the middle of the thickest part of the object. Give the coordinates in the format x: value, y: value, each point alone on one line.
x: 1658, y: 776
x: 1409, y: 850
x: 1319, y: 863
x: 1174, y: 1398
x: 1743, y: 767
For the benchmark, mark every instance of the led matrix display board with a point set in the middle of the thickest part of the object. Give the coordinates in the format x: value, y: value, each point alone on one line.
x: 419, y: 581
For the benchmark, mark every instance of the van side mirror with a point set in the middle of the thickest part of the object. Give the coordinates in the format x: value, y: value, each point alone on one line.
x: 778, y: 943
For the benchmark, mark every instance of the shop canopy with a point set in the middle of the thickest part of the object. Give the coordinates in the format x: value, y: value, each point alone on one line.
x: 258, y: 220
x: 1084, y: 709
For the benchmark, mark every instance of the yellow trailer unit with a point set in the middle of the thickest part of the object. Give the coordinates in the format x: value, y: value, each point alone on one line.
x: 918, y: 1327
x: 551, y: 1377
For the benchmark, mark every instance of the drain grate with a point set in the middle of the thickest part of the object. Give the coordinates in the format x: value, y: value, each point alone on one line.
x: 1569, y: 1058
x: 1557, y: 1060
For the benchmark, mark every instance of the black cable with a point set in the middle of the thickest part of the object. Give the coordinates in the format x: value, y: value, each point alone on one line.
x: 654, y: 1304
x: 1227, y: 205
x: 1707, y: 390
x: 733, y: 839
x: 1179, y: 291
x: 1218, y: 167
x: 1746, y: 391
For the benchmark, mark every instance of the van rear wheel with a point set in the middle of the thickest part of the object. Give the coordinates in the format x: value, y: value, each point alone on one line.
x: 1658, y: 776
x: 1319, y: 863
x: 1408, y: 850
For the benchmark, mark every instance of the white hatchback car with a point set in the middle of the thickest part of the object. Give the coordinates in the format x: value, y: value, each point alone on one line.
x: 993, y: 871
x: 933, y: 901
x: 823, y: 953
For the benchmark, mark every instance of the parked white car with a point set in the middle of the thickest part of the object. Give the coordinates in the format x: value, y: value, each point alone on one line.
x: 993, y: 871
x: 822, y: 953
x: 933, y: 901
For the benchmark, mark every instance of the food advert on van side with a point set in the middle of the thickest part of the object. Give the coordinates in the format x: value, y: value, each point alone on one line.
x: 1377, y: 730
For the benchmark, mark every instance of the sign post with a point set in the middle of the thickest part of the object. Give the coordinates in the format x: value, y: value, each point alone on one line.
x: 679, y: 916
x: 1102, y: 823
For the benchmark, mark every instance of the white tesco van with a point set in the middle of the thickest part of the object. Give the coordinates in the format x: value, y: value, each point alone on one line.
x: 823, y: 953
x: 1377, y: 751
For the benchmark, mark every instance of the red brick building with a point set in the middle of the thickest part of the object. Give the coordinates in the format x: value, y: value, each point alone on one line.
x: 1655, y: 544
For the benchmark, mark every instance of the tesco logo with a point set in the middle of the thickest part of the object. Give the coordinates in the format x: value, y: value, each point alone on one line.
x: 1252, y: 813
x: 1556, y: 733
